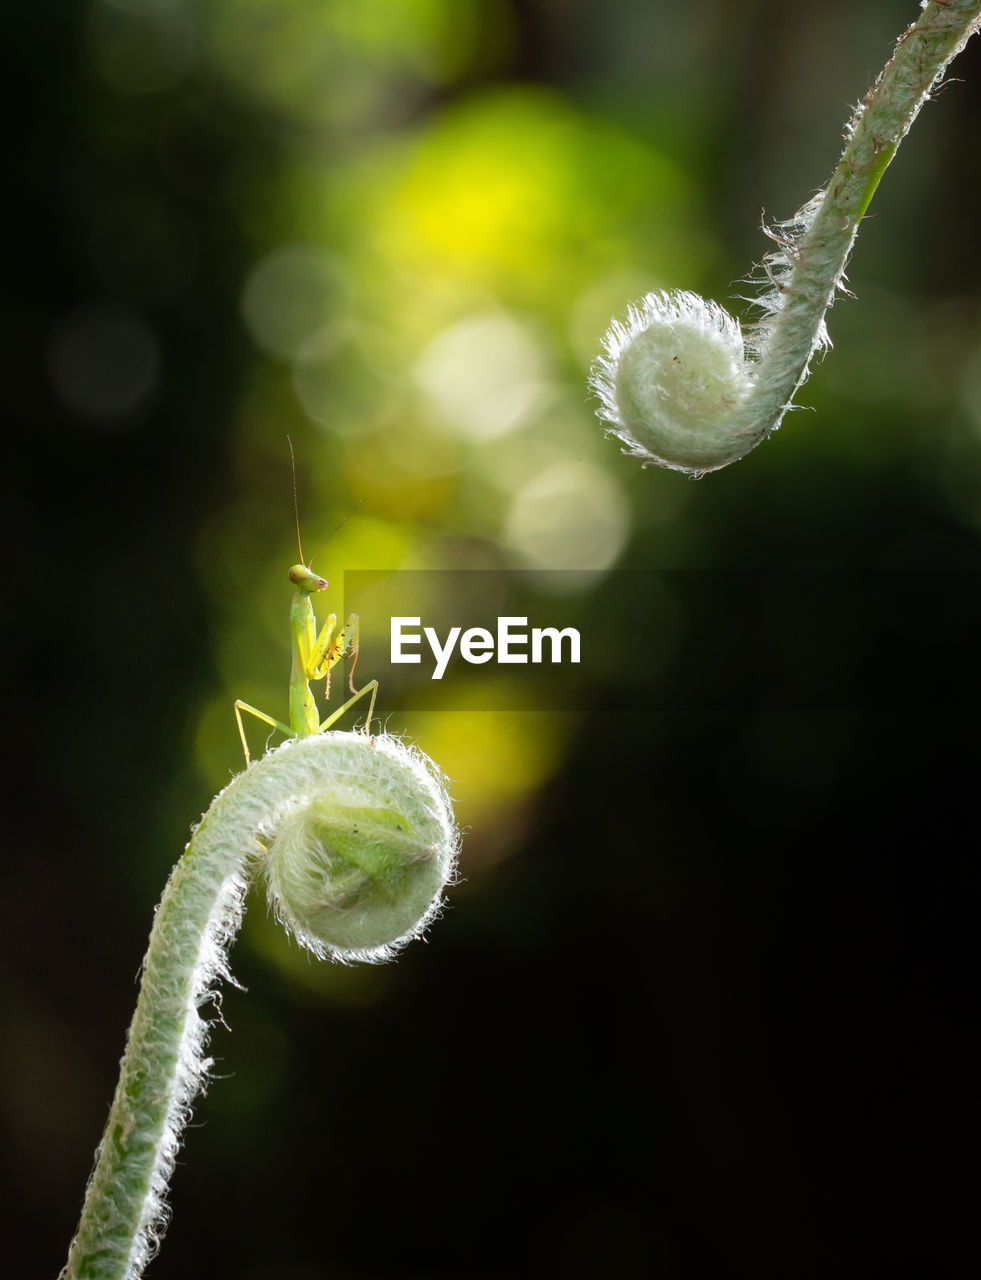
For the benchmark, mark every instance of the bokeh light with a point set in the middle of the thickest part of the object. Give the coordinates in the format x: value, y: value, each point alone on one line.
x: 104, y: 363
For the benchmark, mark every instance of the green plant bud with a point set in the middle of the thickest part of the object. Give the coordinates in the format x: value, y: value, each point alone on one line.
x: 358, y: 868
x: 673, y: 380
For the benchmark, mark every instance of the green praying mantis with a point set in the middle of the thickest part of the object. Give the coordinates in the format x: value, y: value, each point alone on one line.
x: 314, y: 654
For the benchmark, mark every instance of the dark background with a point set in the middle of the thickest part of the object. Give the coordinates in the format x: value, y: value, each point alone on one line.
x: 705, y: 1001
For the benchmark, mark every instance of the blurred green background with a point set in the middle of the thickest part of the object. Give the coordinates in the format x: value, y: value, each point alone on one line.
x: 704, y: 1001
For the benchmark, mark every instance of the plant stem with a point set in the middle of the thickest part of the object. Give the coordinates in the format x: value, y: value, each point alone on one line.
x: 817, y: 260
x: 677, y: 382
x: 124, y: 1213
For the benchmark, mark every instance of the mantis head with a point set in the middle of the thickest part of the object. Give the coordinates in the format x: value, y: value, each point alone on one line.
x: 305, y: 579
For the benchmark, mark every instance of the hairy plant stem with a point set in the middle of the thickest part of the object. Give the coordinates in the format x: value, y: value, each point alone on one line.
x: 678, y: 382
x: 124, y: 1213
x: 817, y: 259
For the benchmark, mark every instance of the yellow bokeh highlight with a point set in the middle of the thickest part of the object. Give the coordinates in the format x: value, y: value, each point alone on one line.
x: 509, y: 192
x: 418, y: 296
x: 496, y: 761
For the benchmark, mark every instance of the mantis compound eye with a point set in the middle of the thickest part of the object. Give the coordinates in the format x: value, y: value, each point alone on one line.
x: 358, y: 868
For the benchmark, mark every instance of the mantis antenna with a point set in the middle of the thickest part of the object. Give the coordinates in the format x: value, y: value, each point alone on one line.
x: 296, y: 511
x: 296, y: 500
x: 354, y: 510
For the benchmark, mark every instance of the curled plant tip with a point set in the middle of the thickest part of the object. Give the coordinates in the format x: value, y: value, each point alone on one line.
x: 671, y: 378
x: 358, y: 868
x: 677, y: 381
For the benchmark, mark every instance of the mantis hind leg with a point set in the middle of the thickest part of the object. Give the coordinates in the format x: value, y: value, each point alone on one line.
x: 348, y: 645
x: 372, y: 688
x: 241, y: 706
